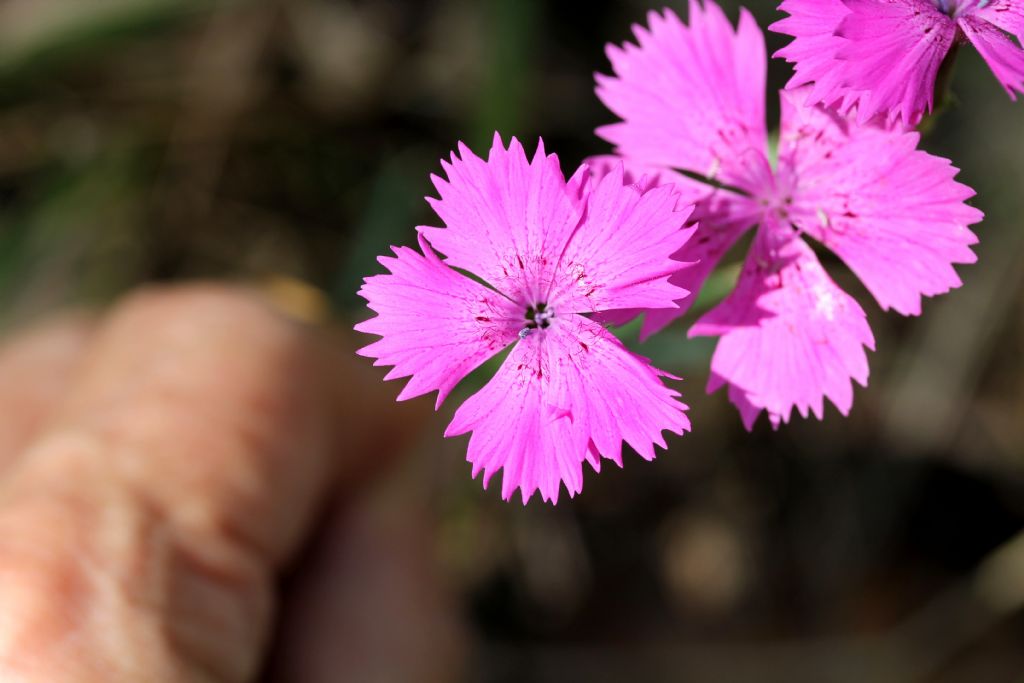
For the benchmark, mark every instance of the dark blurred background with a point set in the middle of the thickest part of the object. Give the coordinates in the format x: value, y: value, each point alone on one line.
x: 289, y: 142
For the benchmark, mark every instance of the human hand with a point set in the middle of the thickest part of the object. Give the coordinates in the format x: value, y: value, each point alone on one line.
x: 161, y: 467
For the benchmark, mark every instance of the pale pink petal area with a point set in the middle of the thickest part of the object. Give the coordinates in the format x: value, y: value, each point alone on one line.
x: 1003, y: 56
x: 507, y: 218
x: 789, y: 336
x: 564, y: 395
x: 690, y: 97
x: 894, y: 214
x: 892, y: 54
x: 813, y: 23
x: 437, y: 324
x: 620, y: 256
x: 721, y: 217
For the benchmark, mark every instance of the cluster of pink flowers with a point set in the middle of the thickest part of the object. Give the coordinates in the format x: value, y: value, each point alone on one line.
x: 639, y: 231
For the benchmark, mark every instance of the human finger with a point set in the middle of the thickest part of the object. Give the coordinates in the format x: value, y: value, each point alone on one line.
x: 36, y: 368
x: 140, y: 534
x: 367, y: 599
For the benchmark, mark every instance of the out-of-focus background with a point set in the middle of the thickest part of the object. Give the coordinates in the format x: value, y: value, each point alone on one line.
x: 289, y: 142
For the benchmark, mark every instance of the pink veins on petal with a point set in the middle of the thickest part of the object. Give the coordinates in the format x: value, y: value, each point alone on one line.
x: 883, y: 57
x: 553, y: 253
x: 789, y: 337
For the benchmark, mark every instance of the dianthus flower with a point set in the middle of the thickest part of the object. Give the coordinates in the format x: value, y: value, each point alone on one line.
x: 553, y: 253
x: 692, y: 98
x: 884, y: 56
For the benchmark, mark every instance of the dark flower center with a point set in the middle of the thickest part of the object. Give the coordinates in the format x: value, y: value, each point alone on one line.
x: 539, y: 316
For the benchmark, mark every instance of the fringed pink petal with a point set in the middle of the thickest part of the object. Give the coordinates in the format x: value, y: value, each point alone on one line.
x: 436, y: 324
x: 720, y: 218
x: 621, y: 254
x: 892, y: 54
x: 893, y: 213
x: 1003, y: 56
x: 507, y: 218
x: 690, y: 97
x: 880, y: 57
x: 564, y: 395
x: 1007, y: 15
x: 789, y: 336
x: 813, y: 23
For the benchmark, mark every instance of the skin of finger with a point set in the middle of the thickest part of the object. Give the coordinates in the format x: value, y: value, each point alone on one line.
x: 140, y: 534
x: 368, y: 601
x: 36, y: 368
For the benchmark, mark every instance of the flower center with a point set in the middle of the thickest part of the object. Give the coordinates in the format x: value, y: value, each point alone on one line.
x: 776, y: 192
x: 538, y: 316
x: 954, y: 8
x: 777, y: 205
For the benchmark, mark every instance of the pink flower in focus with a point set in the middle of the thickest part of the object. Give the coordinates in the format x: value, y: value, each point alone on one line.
x: 691, y: 98
x: 883, y: 56
x: 552, y: 253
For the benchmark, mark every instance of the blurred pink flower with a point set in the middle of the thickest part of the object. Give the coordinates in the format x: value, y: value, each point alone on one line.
x: 691, y: 98
x: 882, y: 57
x: 552, y: 252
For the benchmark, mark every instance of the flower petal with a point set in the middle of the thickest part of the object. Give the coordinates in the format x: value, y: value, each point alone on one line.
x: 647, y: 177
x: 1005, y: 14
x: 620, y: 256
x: 507, y: 218
x: 1003, y: 56
x: 813, y: 23
x: 892, y: 54
x: 882, y: 57
x: 716, y: 233
x: 436, y: 324
x: 894, y: 214
x: 721, y: 217
x: 691, y: 97
x: 789, y: 336
x: 564, y: 394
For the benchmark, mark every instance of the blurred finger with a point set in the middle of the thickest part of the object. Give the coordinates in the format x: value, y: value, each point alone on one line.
x: 139, y: 535
x: 371, y: 582
x: 36, y: 368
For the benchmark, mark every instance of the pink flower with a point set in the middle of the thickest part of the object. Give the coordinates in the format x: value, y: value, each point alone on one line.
x: 552, y: 253
x: 883, y: 56
x: 691, y: 98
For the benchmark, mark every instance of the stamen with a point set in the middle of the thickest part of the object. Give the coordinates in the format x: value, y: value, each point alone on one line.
x: 537, y: 317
